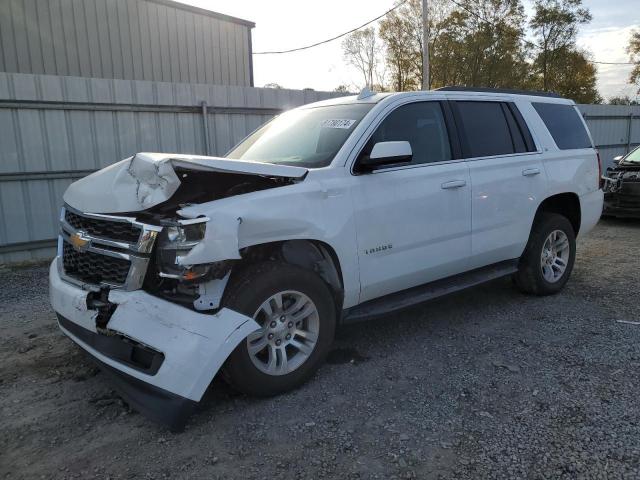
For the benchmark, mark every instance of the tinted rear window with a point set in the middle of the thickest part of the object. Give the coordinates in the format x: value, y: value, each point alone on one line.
x: 486, y: 129
x: 564, y: 125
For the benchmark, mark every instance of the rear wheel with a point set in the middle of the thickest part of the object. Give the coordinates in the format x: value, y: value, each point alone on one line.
x: 547, y: 262
x: 296, y: 313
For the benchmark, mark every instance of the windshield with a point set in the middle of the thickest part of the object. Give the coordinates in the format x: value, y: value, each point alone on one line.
x: 633, y: 156
x: 308, y: 137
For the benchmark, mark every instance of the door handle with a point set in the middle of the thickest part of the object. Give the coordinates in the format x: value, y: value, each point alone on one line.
x: 528, y: 172
x: 453, y: 184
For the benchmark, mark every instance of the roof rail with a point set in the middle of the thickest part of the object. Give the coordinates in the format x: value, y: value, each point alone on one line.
x: 535, y: 93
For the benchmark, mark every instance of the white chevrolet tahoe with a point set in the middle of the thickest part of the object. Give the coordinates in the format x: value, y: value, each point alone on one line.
x: 173, y: 267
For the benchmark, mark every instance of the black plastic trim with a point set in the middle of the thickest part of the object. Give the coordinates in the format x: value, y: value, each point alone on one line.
x: 465, y: 149
x: 514, y: 129
x: 428, y: 291
x: 154, y: 403
x: 452, y: 130
x: 524, y: 128
x: 117, y: 347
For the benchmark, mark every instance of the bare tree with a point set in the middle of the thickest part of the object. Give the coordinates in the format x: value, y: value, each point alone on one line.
x: 633, y: 49
x: 360, y: 50
x: 401, y: 33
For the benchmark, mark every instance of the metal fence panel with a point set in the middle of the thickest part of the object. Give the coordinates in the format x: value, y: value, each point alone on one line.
x: 615, y: 129
x: 56, y: 129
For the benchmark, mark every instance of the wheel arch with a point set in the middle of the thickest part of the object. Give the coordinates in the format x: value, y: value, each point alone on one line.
x: 312, y: 254
x: 566, y: 204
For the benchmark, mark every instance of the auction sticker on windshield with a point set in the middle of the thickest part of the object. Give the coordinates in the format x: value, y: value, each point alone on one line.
x: 337, y: 123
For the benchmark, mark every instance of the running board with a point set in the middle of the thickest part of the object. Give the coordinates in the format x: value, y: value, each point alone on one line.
x: 412, y: 296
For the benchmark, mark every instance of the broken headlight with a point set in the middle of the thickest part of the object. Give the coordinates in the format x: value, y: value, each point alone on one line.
x: 176, y: 241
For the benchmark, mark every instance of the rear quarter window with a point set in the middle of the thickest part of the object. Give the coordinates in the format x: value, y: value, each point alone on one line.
x: 564, y: 125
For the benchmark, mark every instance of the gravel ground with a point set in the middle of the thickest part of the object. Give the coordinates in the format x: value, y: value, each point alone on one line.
x: 486, y: 383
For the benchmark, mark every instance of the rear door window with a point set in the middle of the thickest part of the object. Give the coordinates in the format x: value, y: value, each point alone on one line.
x: 564, y: 125
x: 485, y: 129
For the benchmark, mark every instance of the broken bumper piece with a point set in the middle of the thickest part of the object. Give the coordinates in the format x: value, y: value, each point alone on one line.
x: 160, y: 356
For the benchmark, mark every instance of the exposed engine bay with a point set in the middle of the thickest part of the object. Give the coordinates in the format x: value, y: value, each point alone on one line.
x: 622, y: 191
x: 198, y: 286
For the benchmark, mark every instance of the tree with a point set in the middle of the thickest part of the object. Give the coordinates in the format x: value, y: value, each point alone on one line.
x: 401, y: 32
x: 559, y: 65
x: 477, y: 44
x: 361, y: 49
x: 401, y: 51
x: 341, y: 89
x: 273, y: 85
x: 625, y: 100
x: 575, y: 77
x: 480, y: 45
x: 633, y: 49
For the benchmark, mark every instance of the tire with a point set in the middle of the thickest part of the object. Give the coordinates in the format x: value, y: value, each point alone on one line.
x: 252, y: 372
x: 535, y: 278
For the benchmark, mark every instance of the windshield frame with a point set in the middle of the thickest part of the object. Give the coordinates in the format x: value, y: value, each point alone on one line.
x: 364, y: 110
x: 634, y: 161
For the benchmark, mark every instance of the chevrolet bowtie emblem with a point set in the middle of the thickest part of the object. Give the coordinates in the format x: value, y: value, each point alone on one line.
x: 79, y: 241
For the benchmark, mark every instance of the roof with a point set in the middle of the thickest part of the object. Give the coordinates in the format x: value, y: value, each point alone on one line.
x: 202, y: 11
x: 532, y: 93
x: 454, y: 93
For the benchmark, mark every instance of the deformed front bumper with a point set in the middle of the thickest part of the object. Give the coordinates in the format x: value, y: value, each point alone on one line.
x: 616, y: 205
x: 160, y: 356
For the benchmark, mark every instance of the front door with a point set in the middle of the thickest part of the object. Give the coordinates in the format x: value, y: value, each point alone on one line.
x: 413, y: 220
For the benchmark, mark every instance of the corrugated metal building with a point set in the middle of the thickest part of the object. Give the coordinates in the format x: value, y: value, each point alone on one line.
x: 85, y: 83
x: 156, y: 40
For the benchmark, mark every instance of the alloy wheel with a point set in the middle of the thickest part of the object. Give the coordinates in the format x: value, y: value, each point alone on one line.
x: 289, y: 330
x: 554, y: 257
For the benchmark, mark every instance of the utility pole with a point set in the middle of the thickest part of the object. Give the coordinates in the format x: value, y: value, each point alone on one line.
x: 425, y: 45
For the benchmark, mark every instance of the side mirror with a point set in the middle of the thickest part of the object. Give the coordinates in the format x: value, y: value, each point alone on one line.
x: 617, y: 159
x: 387, y: 153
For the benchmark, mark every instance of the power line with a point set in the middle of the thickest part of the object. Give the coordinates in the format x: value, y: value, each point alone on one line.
x: 611, y: 63
x: 479, y: 17
x: 333, y: 38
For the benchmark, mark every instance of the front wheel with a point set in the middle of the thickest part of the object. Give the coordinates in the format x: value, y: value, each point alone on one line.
x: 296, y: 312
x: 547, y: 262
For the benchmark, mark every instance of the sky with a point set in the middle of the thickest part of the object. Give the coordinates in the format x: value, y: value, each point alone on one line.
x: 284, y: 24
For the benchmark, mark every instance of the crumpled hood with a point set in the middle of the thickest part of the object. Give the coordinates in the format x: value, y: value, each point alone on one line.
x: 148, y: 179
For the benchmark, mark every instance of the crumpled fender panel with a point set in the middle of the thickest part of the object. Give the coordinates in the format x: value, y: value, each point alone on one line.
x: 287, y: 213
x: 303, y: 211
x: 194, y: 345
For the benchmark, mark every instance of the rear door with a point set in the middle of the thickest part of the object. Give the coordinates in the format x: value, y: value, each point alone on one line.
x: 507, y: 177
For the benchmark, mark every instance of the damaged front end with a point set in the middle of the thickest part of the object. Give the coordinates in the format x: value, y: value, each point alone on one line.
x: 622, y: 191
x: 139, y: 286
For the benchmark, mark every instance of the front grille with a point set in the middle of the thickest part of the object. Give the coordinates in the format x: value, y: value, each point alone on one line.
x: 93, y: 267
x: 108, y: 250
x: 118, y: 231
